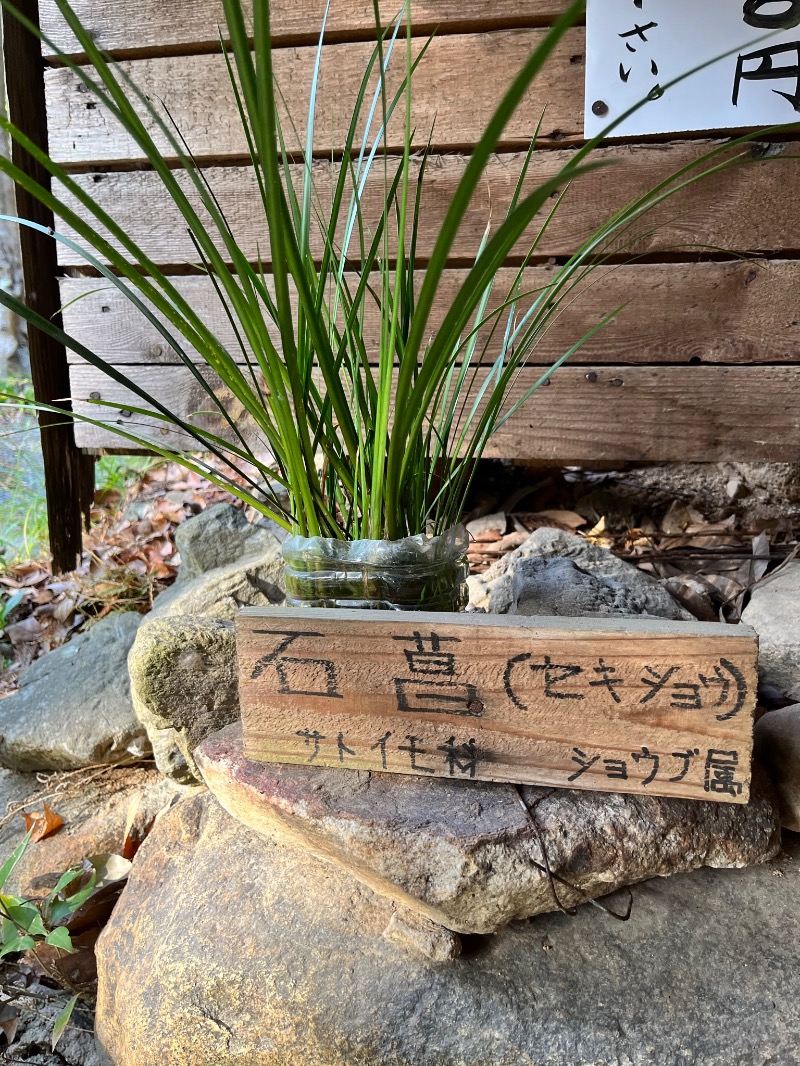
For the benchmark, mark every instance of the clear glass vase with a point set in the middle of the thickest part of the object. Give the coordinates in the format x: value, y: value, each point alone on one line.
x: 419, y: 573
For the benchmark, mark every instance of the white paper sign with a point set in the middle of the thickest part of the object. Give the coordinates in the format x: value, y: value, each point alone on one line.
x: 632, y: 46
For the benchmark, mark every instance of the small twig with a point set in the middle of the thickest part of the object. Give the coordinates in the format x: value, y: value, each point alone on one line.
x: 13, y: 993
x: 53, y: 972
x: 64, y: 787
x: 553, y: 877
x: 707, y: 555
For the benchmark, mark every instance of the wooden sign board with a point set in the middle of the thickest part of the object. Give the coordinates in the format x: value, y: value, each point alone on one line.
x: 622, y: 705
x: 745, y: 55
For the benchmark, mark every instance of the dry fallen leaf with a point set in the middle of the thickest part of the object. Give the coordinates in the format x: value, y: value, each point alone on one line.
x: 569, y: 520
x: 28, y: 631
x: 694, y: 594
x: 9, y: 1020
x: 598, y: 535
x: 488, y: 528
x: 761, y: 552
x: 78, y: 967
x: 44, y: 824
x: 679, y: 518
x: 139, y: 820
x: 109, y: 868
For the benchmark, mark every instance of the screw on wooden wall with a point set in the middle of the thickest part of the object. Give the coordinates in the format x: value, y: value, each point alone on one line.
x: 591, y: 376
x: 600, y: 108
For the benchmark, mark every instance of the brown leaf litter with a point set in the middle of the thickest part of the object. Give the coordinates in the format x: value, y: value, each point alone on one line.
x: 129, y: 556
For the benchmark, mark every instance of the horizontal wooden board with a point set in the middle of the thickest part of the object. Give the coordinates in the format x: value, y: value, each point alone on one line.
x: 586, y: 414
x: 740, y: 312
x: 151, y: 24
x: 633, y: 705
x: 198, y: 94
x: 748, y: 208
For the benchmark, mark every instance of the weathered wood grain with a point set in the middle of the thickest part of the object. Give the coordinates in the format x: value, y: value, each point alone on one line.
x: 586, y: 414
x: 628, y: 705
x: 748, y: 208
x: 743, y: 312
x: 198, y: 94
x: 68, y: 475
x: 151, y: 24
x: 740, y: 312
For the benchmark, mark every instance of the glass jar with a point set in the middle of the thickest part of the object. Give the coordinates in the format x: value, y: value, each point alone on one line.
x: 421, y: 573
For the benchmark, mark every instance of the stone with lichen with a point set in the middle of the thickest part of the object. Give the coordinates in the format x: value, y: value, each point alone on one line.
x: 184, y: 685
x: 229, y: 947
x: 464, y: 853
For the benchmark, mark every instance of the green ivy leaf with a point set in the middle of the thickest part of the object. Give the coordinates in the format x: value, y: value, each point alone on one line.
x: 61, y: 1021
x: 23, y: 915
x: 59, y: 938
x: 79, y: 898
x: 20, y: 943
x: 60, y: 910
x: 7, y: 931
x: 10, y: 901
x: 66, y: 879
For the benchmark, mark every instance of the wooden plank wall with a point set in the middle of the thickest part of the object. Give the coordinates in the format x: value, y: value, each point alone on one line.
x: 703, y: 364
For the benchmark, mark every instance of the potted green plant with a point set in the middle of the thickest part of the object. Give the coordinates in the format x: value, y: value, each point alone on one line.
x: 364, y: 456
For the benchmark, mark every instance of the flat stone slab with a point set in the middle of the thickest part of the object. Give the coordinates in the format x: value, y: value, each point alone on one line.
x: 228, y: 948
x: 464, y: 853
x: 73, y: 708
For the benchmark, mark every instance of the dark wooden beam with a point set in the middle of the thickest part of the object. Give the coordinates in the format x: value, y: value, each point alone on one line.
x: 69, y: 473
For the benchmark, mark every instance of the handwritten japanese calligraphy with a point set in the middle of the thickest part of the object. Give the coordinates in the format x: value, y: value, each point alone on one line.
x: 744, y: 55
x: 635, y: 705
x: 458, y: 758
x: 722, y: 772
x: 433, y: 684
x: 723, y: 689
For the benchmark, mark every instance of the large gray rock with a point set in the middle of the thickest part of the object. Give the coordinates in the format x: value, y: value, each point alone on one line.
x: 226, y: 563
x: 555, y: 572
x: 560, y: 587
x: 228, y: 948
x: 774, y: 613
x: 217, y: 537
x: 462, y: 853
x: 777, y: 746
x: 184, y: 685
x: 73, y: 707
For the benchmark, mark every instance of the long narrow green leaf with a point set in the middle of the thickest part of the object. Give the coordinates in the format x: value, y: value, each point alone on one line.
x: 9, y: 865
x: 368, y: 441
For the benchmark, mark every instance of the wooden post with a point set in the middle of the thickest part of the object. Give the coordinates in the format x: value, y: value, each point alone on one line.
x: 619, y: 705
x: 69, y: 473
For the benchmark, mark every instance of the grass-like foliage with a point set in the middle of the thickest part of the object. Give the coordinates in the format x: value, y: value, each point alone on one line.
x: 23, y: 509
x: 363, y: 441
